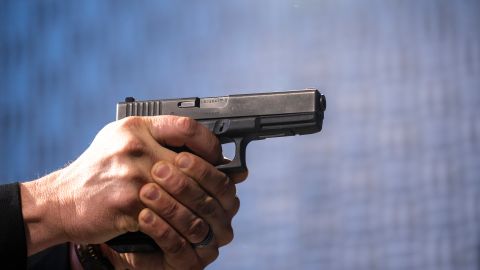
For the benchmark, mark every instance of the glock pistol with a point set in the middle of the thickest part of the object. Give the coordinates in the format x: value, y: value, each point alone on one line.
x: 236, y: 118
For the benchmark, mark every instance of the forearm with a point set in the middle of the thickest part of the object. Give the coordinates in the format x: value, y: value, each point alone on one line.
x: 40, y: 208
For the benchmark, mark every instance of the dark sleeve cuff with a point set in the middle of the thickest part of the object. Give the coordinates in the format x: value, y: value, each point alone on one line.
x: 13, y: 248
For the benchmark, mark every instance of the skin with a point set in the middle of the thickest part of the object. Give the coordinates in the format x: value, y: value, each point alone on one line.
x: 128, y: 180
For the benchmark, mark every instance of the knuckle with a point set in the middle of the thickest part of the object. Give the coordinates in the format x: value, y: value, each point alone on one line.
x: 131, y: 122
x: 162, y: 235
x: 131, y: 140
x: 179, y: 185
x: 203, y: 172
x: 176, y: 247
x: 228, y: 237
x: 134, y: 146
x: 187, y: 126
x: 195, y: 228
x: 214, y: 253
x: 170, y: 210
x: 234, y: 209
x: 131, y: 174
x: 223, y: 185
x: 206, y: 206
x: 197, y: 200
x: 237, y: 205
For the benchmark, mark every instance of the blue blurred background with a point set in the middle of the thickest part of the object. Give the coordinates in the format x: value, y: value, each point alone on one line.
x: 393, y: 180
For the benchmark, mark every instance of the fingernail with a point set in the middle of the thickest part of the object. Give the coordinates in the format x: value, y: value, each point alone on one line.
x: 161, y: 170
x: 147, y: 217
x: 152, y: 193
x: 184, y: 162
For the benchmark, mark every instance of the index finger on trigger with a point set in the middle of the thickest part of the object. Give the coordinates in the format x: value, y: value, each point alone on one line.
x: 177, y: 131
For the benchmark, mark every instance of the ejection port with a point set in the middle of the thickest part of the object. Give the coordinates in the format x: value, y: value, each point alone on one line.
x: 189, y: 103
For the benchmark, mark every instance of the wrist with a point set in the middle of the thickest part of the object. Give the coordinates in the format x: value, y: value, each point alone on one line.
x: 40, y: 214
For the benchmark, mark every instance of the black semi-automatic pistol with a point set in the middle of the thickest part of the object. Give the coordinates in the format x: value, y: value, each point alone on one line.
x: 236, y: 118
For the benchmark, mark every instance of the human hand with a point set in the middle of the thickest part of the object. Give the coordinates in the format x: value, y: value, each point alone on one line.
x: 96, y: 197
x: 187, y: 195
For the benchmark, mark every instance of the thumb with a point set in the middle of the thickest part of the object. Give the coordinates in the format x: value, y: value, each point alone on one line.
x: 177, y: 131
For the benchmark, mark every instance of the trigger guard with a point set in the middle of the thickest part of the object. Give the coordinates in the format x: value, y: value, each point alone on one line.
x: 238, y: 163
